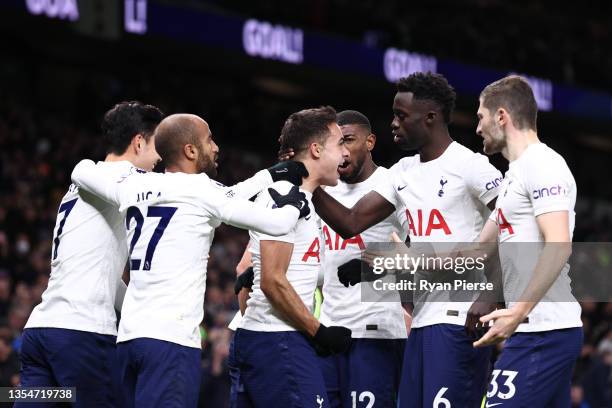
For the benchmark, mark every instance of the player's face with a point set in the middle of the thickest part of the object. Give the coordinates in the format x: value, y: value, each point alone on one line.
x: 147, y: 155
x: 493, y: 137
x: 408, y: 125
x: 208, y: 153
x: 355, y: 137
x: 333, y: 155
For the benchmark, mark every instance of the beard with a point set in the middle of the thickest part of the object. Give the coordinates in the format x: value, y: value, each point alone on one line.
x: 206, y: 161
x: 207, y: 165
x: 496, y: 141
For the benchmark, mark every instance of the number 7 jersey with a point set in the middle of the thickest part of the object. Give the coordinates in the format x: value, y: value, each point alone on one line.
x: 88, y: 255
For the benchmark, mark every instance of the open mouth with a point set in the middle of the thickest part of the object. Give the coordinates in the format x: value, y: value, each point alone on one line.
x: 343, y: 168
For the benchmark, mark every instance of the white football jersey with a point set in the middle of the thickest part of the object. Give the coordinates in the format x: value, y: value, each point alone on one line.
x: 302, y: 273
x: 443, y: 201
x: 344, y: 306
x: 170, y: 219
x: 538, y: 182
x: 88, y: 255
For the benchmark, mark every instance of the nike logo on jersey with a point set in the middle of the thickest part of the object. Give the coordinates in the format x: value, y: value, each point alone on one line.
x: 401, y: 188
x: 488, y: 405
x: 307, y: 218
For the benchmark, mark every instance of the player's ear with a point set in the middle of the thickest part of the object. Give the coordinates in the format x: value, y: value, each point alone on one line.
x: 501, y: 117
x: 370, y: 141
x: 138, y: 143
x: 430, y: 117
x: 189, y: 151
x: 315, y: 150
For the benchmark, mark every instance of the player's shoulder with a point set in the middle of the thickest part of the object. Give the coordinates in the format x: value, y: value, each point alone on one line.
x: 468, y: 160
x: 463, y: 154
x: 404, y: 164
x: 121, y: 168
x: 380, y: 175
x: 541, y: 158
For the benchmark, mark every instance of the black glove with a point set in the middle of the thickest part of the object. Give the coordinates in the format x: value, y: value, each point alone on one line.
x: 331, y: 340
x: 245, y: 280
x: 350, y: 273
x: 294, y: 197
x: 291, y: 171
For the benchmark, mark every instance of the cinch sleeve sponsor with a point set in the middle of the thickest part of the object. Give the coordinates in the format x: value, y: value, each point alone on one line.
x: 548, y: 186
x: 483, y: 179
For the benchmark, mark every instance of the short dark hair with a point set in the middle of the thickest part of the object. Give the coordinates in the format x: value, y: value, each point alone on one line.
x: 514, y: 94
x: 127, y: 119
x: 353, y: 117
x: 305, y: 126
x: 432, y: 87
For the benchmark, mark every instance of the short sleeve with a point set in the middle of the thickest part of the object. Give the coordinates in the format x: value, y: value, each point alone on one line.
x: 483, y: 179
x: 386, y: 188
x: 549, y: 185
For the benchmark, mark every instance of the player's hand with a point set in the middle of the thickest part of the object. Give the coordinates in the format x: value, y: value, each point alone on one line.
x: 284, y: 155
x: 294, y: 198
x: 332, y: 339
x: 350, y: 273
x: 291, y: 171
x: 474, y: 328
x: 244, y: 280
x: 506, y: 322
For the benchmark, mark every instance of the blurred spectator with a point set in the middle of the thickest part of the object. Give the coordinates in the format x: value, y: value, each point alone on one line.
x: 577, y: 395
x: 9, y: 364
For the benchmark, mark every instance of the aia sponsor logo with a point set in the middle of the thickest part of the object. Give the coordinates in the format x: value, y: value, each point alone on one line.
x: 424, y: 226
x: 502, y: 223
x: 337, y: 243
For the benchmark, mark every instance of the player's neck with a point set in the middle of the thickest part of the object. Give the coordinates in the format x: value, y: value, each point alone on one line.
x: 310, y: 184
x: 436, y: 147
x: 181, y: 167
x: 367, y: 169
x: 517, y: 142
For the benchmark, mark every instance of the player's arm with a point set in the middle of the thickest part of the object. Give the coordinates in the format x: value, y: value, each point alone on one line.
x: 121, y: 289
x: 275, y: 257
x: 291, y: 171
x: 554, y: 227
x: 348, y: 222
x: 244, y: 281
x: 487, y: 301
x: 93, y: 179
x: 244, y: 214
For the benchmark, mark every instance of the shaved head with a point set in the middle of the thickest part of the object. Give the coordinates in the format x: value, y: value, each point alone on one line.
x: 178, y: 130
